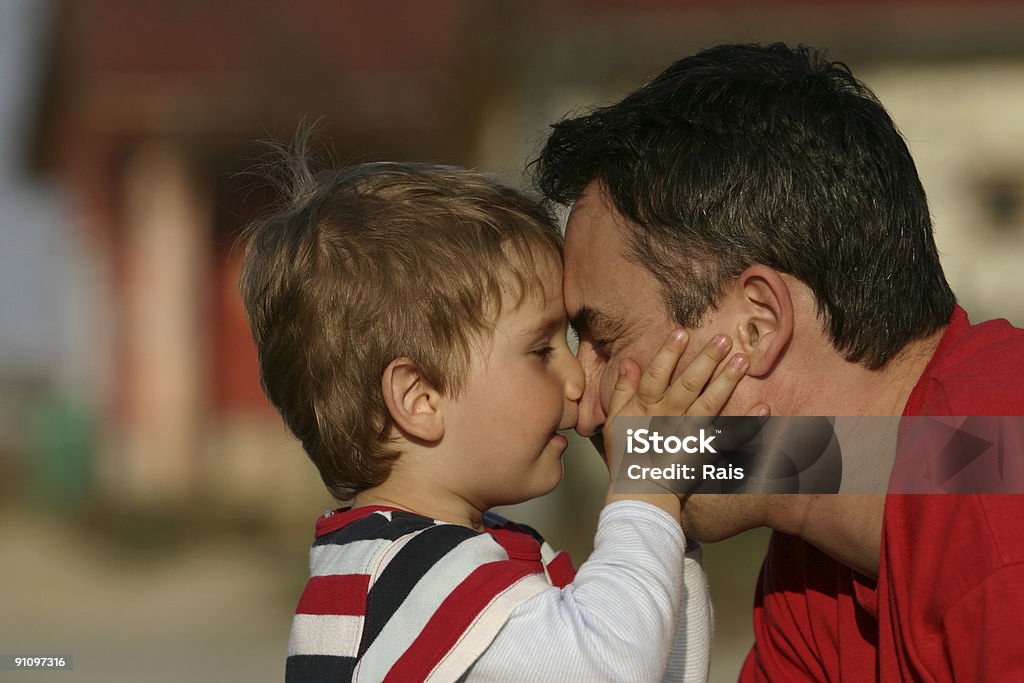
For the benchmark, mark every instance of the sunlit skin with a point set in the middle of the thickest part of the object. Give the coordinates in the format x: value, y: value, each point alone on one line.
x: 770, y: 317
x: 496, y: 441
x: 697, y: 389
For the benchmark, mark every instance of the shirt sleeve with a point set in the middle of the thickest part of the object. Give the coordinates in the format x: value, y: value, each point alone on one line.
x: 690, y: 661
x: 616, y: 621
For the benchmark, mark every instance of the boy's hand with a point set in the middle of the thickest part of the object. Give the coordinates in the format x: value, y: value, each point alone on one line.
x: 691, y: 394
x: 697, y: 391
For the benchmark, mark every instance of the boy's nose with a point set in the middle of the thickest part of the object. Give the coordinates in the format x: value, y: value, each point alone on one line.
x: 575, y: 382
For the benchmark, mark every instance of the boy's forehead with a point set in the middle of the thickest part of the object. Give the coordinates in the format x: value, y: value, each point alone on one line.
x: 539, y: 274
x: 548, y: 280
x: 550, y: 276
x: 539, y: 302
x: 534, y: 318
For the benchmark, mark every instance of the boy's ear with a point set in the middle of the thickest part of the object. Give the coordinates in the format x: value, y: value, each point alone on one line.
x: 766, y: 317
x: 415, y: 405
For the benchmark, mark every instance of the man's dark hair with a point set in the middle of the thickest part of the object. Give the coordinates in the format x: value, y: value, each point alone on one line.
x: 745, y: 154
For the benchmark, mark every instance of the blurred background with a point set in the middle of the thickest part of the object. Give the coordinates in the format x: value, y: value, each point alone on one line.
x: 154, y: 514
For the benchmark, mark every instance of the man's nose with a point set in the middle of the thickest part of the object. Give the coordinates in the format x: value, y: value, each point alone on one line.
x: 591, y: 414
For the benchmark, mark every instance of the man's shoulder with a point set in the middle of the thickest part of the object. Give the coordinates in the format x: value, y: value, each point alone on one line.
x: 985, y: 338
x: 973, y: 373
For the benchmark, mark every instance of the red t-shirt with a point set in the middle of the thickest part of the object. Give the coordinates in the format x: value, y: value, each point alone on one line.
x: 949, y: 603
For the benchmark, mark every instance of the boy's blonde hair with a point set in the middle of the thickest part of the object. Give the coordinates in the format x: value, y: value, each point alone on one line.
x: 371, y: 263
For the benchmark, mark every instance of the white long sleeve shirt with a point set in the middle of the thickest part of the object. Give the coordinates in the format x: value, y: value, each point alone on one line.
x: 396, y: 596
x: 638, y: 610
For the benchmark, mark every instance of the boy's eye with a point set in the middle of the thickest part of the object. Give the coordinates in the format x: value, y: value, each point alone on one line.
x: 544, y: 351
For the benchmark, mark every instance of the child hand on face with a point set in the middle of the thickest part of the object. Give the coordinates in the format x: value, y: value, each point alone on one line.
x: 697, y: 392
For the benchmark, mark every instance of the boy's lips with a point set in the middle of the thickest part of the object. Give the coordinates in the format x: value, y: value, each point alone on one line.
x: 558, y: 434
x: 566, y: 425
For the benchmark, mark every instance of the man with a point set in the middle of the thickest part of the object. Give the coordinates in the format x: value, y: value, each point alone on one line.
x: 764, y: 193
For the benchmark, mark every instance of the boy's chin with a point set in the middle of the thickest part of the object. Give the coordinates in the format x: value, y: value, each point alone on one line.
x: 556, y: 480
x: 519, y: 495
x: 540, y: 488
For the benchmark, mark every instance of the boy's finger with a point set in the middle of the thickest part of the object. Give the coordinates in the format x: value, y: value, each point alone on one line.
x: 685, y: 390
x: 656, y: 377
x: 720, y: 388
x: 760, y: 410
x: 625, y: 387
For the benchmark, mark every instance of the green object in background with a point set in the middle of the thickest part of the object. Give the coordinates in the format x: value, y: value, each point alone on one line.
x: 61, y: 451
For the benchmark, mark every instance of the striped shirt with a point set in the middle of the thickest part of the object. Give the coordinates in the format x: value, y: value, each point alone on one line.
x: 395, y: 596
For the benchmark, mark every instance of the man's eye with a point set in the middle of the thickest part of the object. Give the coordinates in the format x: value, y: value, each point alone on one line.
x: 600, y: 346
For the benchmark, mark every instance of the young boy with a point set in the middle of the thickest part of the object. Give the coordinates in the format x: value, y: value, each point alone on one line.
x: 411, y: 332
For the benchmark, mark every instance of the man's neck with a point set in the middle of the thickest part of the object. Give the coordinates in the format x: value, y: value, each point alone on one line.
x: 847, y: 527
x: 827, y: 384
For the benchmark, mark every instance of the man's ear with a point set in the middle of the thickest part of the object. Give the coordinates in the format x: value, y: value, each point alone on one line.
x: 415, y: 405
x: 766, y: 317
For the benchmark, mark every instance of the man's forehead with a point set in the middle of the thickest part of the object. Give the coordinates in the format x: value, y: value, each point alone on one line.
x: 593, y: 215
x: 607, y: 293
x: 610, y: 306
x: 597, y: 273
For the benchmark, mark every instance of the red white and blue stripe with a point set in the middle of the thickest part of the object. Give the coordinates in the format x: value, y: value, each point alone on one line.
x: 394, y: 596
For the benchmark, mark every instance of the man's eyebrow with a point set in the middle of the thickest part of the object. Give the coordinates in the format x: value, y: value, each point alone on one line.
x: 586, y: 320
